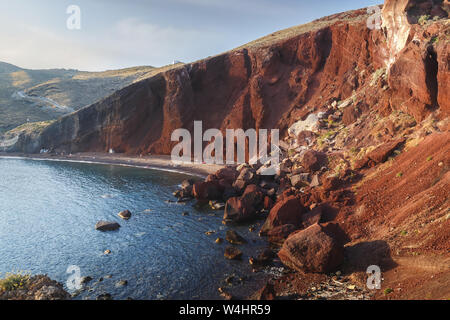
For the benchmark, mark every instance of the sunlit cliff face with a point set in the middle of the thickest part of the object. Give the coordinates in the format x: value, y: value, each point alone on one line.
x: 396, y: 27
x: 398, y: 15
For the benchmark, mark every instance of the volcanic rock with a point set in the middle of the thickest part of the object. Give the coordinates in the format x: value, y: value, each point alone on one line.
x: 279, y: 234
x: 378, y: 155
x: 234, y: 238
x: 126, y: 214
x: 312, y: 217
x: 300, y: 180
x: 107, y: 226
x: 266, y: 293
x: 286, y: 211
x: 207, y: 190
x: 232, y: 253
x: 315, y: 249
x: 313, y: 160
x: 247, y: 176
x: 246, y: 207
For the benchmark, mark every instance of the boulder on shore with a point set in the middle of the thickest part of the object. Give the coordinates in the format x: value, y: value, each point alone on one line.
x: 208, y: 190
x: 227, y: 174
x: 287, y: 211
x: 266, y: 293
x: 315, y: 249
x: 39, y: 287
x: 107, y: 226
x: 313, y: 160
x: 245, y: 178
x: 278, y: 234
x: 246, y: 207
x: 379, y: 155
x: 237, y: 211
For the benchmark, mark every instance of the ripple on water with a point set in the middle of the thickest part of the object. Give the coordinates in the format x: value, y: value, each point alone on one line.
x: 48, y: 214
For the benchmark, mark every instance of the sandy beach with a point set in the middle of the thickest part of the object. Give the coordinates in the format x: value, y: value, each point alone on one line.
x: 148, y: 162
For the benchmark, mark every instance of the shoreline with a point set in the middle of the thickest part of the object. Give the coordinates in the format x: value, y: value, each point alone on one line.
x: 161, y: 163
x: 157, y: 162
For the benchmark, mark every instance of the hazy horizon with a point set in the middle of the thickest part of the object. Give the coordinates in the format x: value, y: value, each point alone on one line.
x: 117, y: 35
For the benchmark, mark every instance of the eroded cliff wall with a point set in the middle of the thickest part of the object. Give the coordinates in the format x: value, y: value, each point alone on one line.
x: 271, y: 83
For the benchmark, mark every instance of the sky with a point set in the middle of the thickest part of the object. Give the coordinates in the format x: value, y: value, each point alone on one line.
x: 117, y: 34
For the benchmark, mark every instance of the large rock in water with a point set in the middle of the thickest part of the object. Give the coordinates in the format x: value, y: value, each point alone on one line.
x: 315, y: 249
x: 232, y: 253
x: 125, y: 215
x: 107, y: 226
x: 234, y: 238
x: 287, y: 211
x: 208, y: 190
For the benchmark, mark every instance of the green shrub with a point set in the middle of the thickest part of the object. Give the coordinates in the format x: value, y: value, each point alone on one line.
x: 388, y: 290
x: 423, y: 19
x: 14, y: 281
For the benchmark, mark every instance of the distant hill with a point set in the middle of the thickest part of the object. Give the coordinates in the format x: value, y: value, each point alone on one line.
x: 42, y: 95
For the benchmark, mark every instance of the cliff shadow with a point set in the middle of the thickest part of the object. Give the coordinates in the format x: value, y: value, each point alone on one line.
x: 364, y: 254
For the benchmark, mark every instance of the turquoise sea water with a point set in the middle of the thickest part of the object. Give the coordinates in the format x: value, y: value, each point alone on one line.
x: 48, y: 211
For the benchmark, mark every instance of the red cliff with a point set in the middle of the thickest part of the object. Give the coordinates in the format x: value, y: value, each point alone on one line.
x: 271, y: 83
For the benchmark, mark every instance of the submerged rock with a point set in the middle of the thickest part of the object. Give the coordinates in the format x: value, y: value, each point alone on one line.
x: 121, y: 283
x: 234, y: 238
x: 263, y: 258
x: 85, y: 279
x: 104, y: 296
x: 232, y: 253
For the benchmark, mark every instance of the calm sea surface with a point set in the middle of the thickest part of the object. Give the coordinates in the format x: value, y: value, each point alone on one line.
x: 48, y: 211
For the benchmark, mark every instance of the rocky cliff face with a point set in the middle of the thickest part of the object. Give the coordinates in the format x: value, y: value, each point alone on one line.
x: 275, y: 81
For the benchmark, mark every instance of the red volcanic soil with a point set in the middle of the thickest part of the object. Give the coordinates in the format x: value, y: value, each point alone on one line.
x: 407, y: 206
